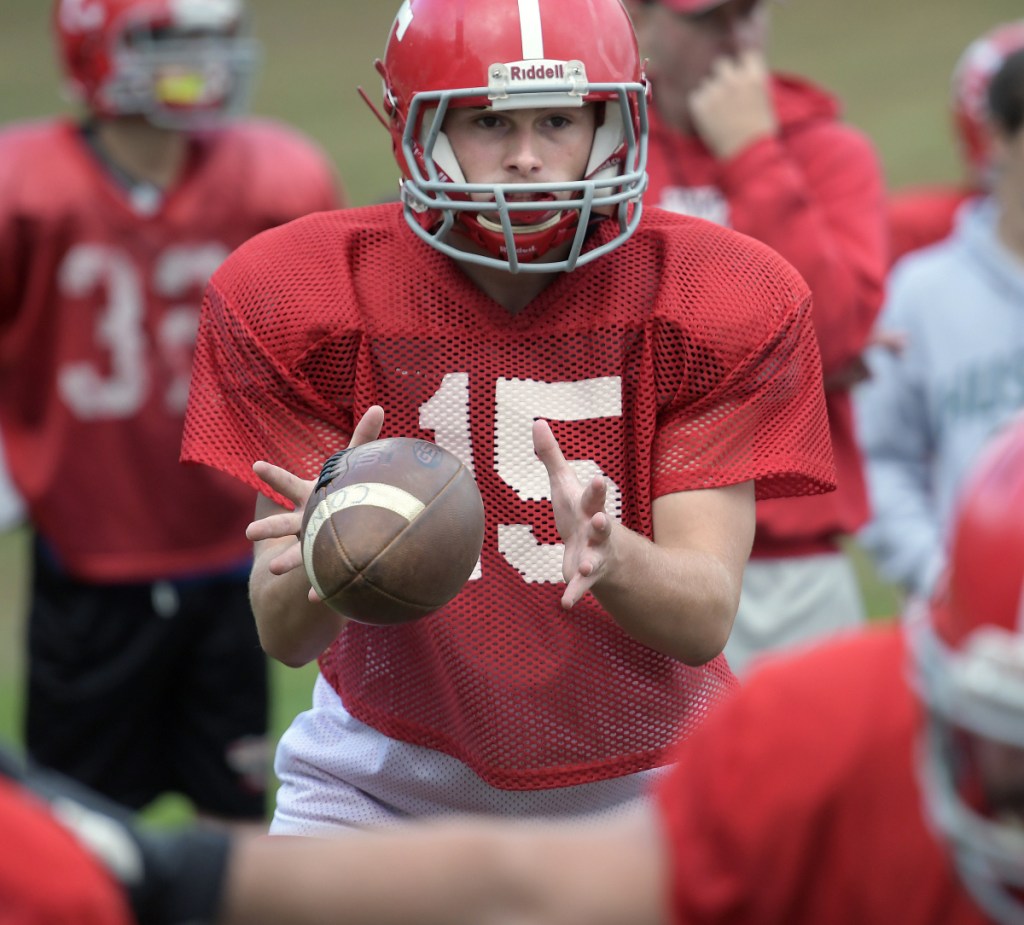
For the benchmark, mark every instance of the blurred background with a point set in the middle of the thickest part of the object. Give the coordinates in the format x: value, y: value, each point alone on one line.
x: 890, y: 63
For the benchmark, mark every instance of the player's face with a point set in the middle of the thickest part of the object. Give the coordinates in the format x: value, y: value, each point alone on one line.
x: 682, y: 49
x: 522, y: 146
x: 190, y: 69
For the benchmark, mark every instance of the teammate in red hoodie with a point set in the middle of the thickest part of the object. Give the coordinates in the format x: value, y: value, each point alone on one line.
x: 767, y: 155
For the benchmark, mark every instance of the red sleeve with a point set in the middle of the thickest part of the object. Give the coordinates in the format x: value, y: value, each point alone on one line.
x: 817, y: 197
x: 245, y: 402
x: 920, y: 217
x: 45, y: 875
x: 797, y: 801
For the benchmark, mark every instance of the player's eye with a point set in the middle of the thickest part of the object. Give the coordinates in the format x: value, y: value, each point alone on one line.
x: 487, y: 120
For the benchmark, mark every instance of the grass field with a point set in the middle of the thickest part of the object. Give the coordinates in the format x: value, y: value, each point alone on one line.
x: 889, y: 62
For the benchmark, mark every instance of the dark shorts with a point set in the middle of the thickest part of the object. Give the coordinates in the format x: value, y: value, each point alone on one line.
x: 143, y: 689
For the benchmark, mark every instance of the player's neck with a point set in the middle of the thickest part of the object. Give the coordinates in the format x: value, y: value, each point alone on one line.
x: 1008, y: 193
x: 512, y: 291
x: 141, y: 151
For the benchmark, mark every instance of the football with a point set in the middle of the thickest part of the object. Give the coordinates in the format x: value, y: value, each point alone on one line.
x: 392, y: 530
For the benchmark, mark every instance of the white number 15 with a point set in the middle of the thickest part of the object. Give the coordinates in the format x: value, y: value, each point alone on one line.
x: 518, y: 402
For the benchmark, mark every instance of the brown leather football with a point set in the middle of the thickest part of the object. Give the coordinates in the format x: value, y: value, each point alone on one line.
x: 392, y: 530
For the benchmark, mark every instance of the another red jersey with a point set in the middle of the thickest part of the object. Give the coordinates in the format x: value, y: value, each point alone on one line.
x: 799, y: 801
x: 99, y: 304
x: 815, y: 194
x: 46, y: 876
x: 923, y: 215
x: 684, y: 359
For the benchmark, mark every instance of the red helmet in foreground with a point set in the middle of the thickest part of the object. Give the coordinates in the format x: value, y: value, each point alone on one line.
x: 969, y: 668
x: 515, y: 54
x: 179, y: 63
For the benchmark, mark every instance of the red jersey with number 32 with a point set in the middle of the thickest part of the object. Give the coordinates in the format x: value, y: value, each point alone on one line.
x: 99, y: 304
x: 684, y: 359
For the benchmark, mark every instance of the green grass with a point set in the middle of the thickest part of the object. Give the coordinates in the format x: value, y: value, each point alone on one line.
x: 889, y: 62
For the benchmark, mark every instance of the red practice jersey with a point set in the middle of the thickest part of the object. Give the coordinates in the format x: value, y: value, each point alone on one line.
x: 684, y: 359
x: 799, y: 802
x: 814, y: 193
x: 923, y: 215
x: 99, y: 304
x: 46, y: 876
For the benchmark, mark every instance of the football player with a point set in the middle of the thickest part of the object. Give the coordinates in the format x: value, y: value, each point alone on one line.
x: 919, y: 216
x: 874, y: 778
x: 767, y: 153
x: 927, y: 411
x: 621, y: 381
x: 144, y: 673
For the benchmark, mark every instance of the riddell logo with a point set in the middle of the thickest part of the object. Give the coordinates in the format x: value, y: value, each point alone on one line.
x: 536, y: 71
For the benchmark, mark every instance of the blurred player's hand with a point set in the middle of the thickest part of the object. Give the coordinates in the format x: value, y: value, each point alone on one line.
x: 858, y: 370
x: 170, y: 877
x: 733, y: 105
x: 583, y: 523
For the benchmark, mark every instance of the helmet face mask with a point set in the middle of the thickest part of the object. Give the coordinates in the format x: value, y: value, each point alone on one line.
x: 515, y: 225
x: 181, y: 64
x: 967, y: 647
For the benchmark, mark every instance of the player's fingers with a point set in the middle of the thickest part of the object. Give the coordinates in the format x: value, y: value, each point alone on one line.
x: 595, y: 495
x: 283, y: 482
x: 577, y: 586
x: 547, y: 449
x: 369, y: 426
x: 753, y: 62
x: 600, y: 528
x: 276, y: 525
x: 289, y: 559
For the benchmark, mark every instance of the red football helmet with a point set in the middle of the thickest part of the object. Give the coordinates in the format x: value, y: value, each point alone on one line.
x: 971, y: 76
x: 179, y: 63
x: 516, y: 54
x: 969, y: 667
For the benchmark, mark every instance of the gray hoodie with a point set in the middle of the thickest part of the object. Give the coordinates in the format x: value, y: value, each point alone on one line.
x: 925, y: 413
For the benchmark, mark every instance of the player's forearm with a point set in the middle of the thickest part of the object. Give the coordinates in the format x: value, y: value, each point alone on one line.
x: 364, y: 878
x: 291, y: 628
x: 476, y: 873
x: 679, y: 602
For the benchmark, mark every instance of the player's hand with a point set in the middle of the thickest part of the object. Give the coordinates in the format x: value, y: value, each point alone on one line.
x: 284, y: 524
x: 732, y: 107
x: 857, y: 370
x: 173, y: 877
x: 583, y: 523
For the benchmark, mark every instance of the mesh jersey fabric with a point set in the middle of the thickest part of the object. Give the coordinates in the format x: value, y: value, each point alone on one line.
x: 684, y: 359
x: 99, y: 305
x: 814, y: 192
